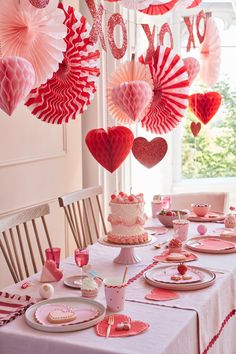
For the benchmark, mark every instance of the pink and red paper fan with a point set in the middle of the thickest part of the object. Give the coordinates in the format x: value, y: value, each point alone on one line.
x: 210, y: 54
x: 129, y: 92
x: 72, y: 87
x: 171, y: 87
x: 34, y: 34
x: 158, y: 7
x: 193, y: 68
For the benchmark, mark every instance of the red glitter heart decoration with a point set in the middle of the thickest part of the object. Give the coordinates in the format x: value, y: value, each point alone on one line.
x: 149, y: 153
x: 40, y: 4
x: 110, y: 148
x: 205, y: 105
x: 195, y: 128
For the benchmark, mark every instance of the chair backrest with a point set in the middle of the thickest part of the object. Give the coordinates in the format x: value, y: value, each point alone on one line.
x: 21, y: 240
x: 217, y: 200
x: 84, y: 213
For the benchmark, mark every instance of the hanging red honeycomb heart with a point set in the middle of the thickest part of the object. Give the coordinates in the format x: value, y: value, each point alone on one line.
x: 205, y: 105
x: 149, y: 153
x: 195, y: 128
x: 110, y: 148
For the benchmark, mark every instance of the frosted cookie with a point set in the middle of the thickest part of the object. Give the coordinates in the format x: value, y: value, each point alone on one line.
x: 187, y: 277
x: 176, y: 257
x: 176, y: 277
x: 59, y: 316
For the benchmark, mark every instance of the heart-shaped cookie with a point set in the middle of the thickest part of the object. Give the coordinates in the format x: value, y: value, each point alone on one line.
x: 195, y: 128
x: 161, y: 295
x: 149, y: 153
x: 205, y: 105
x: 110, y: 148
x: 137, y: 327
x: 60, y: 316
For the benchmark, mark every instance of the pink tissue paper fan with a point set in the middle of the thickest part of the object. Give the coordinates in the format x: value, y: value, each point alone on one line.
x: 171, y: 87
x: 17, y: 78
x: 210, y: 54
x: 193, y: 68
x: 187, y: 4
x: 72, y: 87
x: 136, y: 4
x: 42, y: 44
x: 129, y: 92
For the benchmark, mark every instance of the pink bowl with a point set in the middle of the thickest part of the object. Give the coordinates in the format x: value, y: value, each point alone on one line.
x: 167, y: 220
x: 201, y: 209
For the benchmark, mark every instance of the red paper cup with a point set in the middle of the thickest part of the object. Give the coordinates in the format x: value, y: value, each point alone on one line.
x: 53, y: 254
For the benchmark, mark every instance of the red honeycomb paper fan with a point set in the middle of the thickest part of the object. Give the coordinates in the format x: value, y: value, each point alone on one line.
x: 72, y: 87
x: 171, y: 87
x: 157, y: 8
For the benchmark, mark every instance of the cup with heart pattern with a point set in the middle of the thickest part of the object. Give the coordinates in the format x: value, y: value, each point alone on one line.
x: 114, y: 293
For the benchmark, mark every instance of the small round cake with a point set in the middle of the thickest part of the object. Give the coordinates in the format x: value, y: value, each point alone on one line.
x: 230, y: 221
x: 127, y: 219
x: 175, y: 246
x: 89, y: 287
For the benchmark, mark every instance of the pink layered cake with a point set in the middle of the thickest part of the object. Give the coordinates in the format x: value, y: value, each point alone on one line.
x: 127, y: 219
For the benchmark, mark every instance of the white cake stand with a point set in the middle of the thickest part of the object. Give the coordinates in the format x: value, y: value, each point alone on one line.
x: 127, y: 253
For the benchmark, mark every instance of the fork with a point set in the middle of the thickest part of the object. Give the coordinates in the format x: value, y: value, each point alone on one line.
x: 111, y: 321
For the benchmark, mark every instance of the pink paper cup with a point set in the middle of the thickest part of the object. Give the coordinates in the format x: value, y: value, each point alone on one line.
x: 115, y: 294
x: 181, y: 229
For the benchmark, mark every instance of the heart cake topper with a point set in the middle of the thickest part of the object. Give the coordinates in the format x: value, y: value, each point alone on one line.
x: 150, y: 153
x: 205, y: 105
x: 110, y: 148
x: 195, y: 128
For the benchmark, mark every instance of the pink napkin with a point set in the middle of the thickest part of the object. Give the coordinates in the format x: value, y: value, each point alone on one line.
x: 161, y: 295
x: 214, y: 244
x: 12, y: 306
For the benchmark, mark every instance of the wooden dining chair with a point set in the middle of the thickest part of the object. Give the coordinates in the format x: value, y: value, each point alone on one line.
x: 84, y: 214
x: 23, y: 238
x: 217, y: 200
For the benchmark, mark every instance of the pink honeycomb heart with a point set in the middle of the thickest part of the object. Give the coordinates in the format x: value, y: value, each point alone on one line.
x: 193, y: 67
x: 133, y: 98
x: 17, y: 77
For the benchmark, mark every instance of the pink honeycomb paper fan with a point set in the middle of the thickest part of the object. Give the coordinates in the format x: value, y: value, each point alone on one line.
x: 17, y: 78
x: 171, y: 87
x: 42, y: 44
x: 210, y: 54
x: 129, y: 92
x: 136, y: 4
x: 72, y: 87
x: 187, y: 4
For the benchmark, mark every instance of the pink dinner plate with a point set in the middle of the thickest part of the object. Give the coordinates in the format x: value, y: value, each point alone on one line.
x: 206, y: 278
x: 211, y: 244
x: 212, y: 216
x: 163, y: 257
x: 82, y: 315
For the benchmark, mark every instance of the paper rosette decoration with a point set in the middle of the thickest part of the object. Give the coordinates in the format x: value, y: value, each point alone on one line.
x: 34, y: 34
x: 17, y: 78
x: 210, y: 54
x: 205, y: 105
x: 158, y: 7
x: 110, y: 148
x: 171, y: 87
x: 129, y: 92
x: 193, y: 68
x: 40, y: 4
x: 187, y: 4
x: 136, y: 4
x: 150, y: 153
x: 72, y: 87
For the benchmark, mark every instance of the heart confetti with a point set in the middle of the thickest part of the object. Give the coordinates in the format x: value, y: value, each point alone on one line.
x: 161, y: 295
x: 110, y: 148
x: 195, y: 128
x: 205, y: 105
x: 150, y: 153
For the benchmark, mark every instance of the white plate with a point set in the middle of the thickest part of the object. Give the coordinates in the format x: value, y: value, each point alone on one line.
x: 193, y: 245
x: 208, y: 279
x: 70, y: 281
x: 104, y: 241
x: 72, y: 302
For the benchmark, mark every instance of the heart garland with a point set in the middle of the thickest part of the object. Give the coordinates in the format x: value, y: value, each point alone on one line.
x: 110, y: 148
x: 195, y: 128
x: 150, y: 153
x: 205, y: 105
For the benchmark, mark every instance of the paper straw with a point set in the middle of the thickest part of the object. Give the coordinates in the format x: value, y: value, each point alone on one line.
x: 124, y: 276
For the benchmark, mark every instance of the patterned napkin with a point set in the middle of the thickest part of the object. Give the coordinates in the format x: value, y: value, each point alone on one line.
x: 12, y: 306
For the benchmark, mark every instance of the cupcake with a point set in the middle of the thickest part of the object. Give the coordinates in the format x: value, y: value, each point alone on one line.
x: 89, y: 288
x: 175, y: 246
x: 230, y: 221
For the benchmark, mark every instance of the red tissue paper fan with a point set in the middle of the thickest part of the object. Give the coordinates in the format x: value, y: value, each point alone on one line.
x: 72, y: 87
x: 205, y: 105
x: 150, y: 153
x: 158, y: 7
x: 110, y: 148
x: 171, y: 87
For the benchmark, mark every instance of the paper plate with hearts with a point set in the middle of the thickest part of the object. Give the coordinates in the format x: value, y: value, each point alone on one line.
x: 87, y: 313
